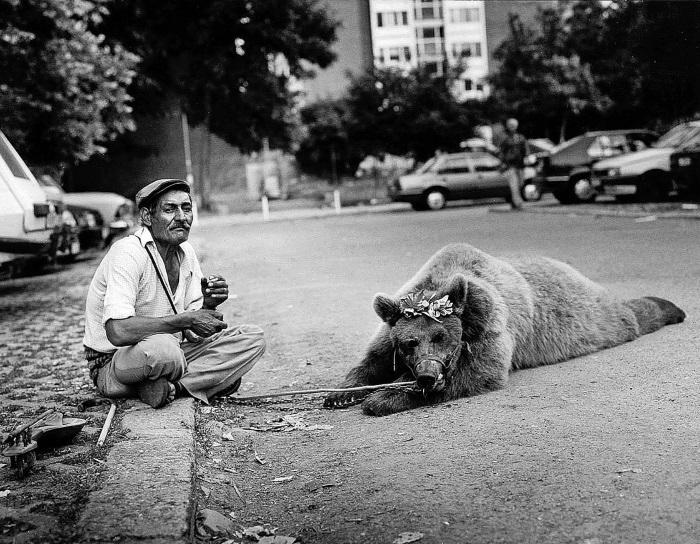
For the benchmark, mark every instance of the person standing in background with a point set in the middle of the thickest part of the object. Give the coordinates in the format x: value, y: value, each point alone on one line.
x: 513, y: 150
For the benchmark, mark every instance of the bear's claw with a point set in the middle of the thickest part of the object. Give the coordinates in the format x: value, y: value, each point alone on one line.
x: 343, y: 400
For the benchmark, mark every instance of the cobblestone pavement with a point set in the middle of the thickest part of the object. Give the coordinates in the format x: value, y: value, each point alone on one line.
x: 41, y: 329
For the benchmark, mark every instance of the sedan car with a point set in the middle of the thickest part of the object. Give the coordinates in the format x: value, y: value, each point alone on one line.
x: 685, y: 171
x: 102, y: 217
x: 452, y: 176
x: 646, y: 174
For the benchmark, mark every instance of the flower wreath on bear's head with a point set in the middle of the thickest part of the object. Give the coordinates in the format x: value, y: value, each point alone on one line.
x: 415, y: 304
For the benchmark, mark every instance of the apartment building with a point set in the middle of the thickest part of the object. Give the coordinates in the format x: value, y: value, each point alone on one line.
x: 439, y: 35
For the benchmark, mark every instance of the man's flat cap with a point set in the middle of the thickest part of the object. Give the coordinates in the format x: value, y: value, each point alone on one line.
x: 146, y: 196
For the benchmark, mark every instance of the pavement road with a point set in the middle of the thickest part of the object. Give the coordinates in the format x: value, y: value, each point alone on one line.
x: 596, y: 450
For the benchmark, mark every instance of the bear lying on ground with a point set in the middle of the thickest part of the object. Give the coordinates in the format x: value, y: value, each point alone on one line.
x: 466, y: 319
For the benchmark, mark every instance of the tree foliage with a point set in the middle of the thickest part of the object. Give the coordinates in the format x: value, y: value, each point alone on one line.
x: 542, y: 78
x: 324, y: 147
x: 228, y: 62
x: 63, y: 89
x: 596, y: 64
x: 390, y: 111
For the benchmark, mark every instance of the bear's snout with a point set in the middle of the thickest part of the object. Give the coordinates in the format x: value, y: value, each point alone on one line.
x: 428, y: 374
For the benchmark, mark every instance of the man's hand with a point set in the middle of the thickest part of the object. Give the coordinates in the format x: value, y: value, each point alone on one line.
x: 206, y: 322
x: 215, y: 291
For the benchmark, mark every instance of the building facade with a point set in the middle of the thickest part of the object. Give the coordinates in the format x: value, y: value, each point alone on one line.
x: 439, y: 35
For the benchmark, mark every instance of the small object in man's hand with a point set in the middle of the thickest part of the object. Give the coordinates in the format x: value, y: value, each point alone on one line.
x: 212, y: 302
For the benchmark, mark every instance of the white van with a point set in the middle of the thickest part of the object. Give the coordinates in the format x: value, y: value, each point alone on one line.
x: 27, y: 219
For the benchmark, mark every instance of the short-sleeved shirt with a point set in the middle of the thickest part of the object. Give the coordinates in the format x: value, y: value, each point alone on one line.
x: 125, y: 285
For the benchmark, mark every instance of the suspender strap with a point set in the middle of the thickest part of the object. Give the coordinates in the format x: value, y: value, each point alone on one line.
x: 162, y: 281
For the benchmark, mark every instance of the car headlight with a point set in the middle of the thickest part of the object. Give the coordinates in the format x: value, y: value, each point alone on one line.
x: 684, y: 161
x: 613, y: 172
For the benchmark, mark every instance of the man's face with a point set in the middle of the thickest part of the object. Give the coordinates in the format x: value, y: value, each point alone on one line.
x: 171, y: 218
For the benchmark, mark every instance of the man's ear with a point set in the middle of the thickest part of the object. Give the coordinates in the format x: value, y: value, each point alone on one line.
x: 145, y: 216
x: 456, y: 290
x: 387, y: 309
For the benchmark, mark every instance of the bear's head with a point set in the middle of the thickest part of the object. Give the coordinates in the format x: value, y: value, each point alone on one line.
x: 428, y: 342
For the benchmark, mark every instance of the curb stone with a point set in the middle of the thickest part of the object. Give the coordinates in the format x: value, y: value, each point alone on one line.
x: 147, y: 496
x: 597, y: 211
x: 547, y: 208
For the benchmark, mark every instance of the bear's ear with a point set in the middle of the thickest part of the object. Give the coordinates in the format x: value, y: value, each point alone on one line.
x: 387, y: 309
x: 456, y: 289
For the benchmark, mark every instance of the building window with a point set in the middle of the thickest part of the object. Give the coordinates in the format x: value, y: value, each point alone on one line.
x: 479, y: 86
x: 394, y: 54
x: 392, y: 18
x: 468, y: 84
x: 466, y: 49
x: 407, y: 54
x: 464, y: 15
x: 431, y: 32
x: 432, y: 68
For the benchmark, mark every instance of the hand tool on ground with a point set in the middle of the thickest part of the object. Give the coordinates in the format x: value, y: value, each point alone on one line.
x: 21, y: 448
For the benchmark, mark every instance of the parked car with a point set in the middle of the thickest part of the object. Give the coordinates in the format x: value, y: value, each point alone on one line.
x: 685, y: 171
x: 452, y: 176
x: 565, y: 171
x: 646, y: 174
x: 101, y: 216
x: 29, y: 222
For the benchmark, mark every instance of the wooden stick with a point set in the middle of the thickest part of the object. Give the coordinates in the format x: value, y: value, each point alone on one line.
x: 313, y: 391
x: 107, y: 425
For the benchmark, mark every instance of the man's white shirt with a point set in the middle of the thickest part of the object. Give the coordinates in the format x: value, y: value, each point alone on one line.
x: 125, y: 285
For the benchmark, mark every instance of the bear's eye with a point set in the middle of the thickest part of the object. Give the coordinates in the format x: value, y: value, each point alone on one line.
x: 411, y: 343
x: 439, y: 337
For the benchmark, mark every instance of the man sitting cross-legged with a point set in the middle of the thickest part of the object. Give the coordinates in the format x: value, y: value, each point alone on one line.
x: 151, y: 327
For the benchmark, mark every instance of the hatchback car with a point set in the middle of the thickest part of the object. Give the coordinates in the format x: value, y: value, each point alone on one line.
x: 452, y: 176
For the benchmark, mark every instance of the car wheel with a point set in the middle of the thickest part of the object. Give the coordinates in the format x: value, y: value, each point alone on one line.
x: 576, y: 191
x: 531, y: 192
x: 434, y: 199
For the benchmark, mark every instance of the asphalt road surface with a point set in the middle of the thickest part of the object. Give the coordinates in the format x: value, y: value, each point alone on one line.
x: 601, y: 449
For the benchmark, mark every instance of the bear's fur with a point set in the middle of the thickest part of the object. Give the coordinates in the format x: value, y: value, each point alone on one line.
x: 507, y: 315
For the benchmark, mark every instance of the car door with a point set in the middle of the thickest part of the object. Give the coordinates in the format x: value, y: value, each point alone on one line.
x: 457, y: 174
x: 491, y: 179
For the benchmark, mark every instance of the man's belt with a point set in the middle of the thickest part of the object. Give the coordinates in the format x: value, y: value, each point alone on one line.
x: 96, y: 360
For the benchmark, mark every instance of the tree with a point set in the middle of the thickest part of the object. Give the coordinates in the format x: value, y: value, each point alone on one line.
x: 325, y: 147
x: 390, y: 111
x: 228, y: 62
x: 63, y: 89
x: 542, y: 79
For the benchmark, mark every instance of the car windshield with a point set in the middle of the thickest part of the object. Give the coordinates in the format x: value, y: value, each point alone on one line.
x: 426, y: 166
x: 565, y: 145
x: 692, y: 141
x: 678, y: 136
